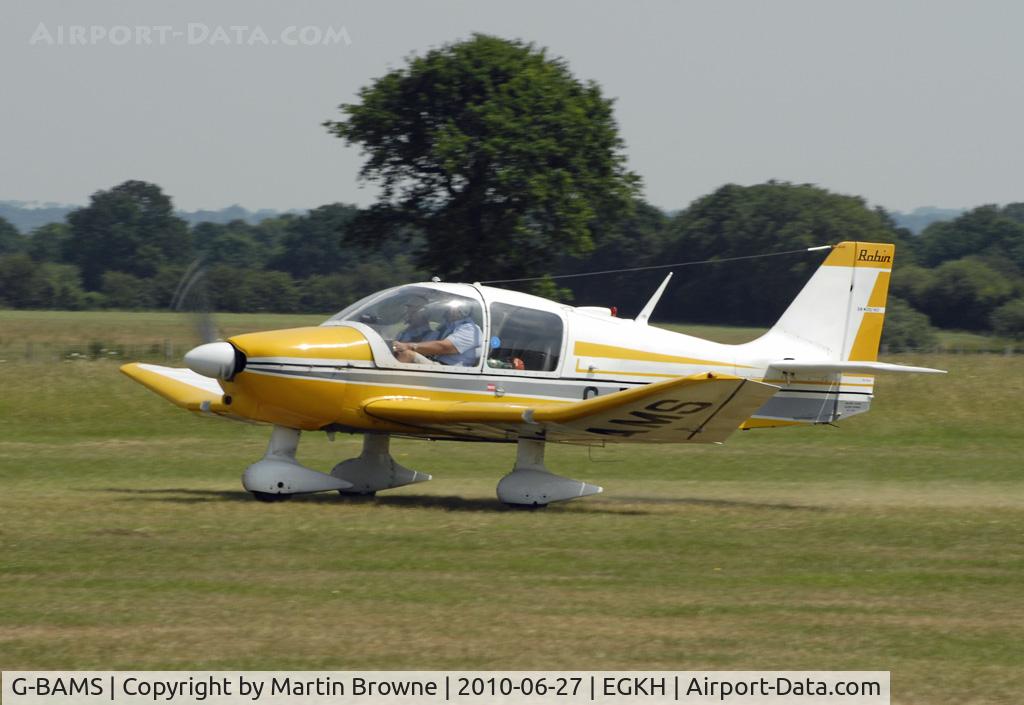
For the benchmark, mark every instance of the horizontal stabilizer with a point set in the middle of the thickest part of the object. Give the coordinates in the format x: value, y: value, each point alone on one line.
x: 705, y: 408
x: 179, y: 386
x: 847, y: 366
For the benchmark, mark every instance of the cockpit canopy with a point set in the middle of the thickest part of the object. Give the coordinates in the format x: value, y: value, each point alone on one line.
x: 411, y: 313
x: 525, y: 334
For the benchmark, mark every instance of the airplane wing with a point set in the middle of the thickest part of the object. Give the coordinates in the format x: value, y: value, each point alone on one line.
x: 180, y: 386
x: 705, y: 408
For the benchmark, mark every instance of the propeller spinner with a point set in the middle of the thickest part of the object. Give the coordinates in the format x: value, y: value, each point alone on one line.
x: 217, y: 360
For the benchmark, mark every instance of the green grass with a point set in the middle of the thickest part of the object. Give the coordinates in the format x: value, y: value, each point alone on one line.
x: 959, y: 341
x: 895, y: 542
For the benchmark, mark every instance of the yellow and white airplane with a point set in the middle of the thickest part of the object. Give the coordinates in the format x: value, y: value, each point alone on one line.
x: 502, y: 366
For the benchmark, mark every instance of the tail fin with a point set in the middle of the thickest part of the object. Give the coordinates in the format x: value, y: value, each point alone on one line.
x: 824, y: 350
x: 838, y: 314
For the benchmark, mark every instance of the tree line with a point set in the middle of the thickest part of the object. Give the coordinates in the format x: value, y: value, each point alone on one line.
x: 495, y: 162
x: 127, y: 250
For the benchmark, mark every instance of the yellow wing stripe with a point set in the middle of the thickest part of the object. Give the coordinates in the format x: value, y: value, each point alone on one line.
x: 584, y: 349
x: 622, y: 373
x: 416, y: 411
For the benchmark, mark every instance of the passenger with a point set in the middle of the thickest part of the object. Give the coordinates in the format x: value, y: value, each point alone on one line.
x: 458, y: 345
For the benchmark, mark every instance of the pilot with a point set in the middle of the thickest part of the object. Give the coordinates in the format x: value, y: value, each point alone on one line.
x: 417, y: 322
x: 458, y: 345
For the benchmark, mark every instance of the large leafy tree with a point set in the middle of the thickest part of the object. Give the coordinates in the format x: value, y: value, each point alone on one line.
x: 737, y: 221
x: 131, y: 228
x: 494, y: 152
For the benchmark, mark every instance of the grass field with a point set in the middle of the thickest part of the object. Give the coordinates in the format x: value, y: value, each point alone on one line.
x: 895, y: 542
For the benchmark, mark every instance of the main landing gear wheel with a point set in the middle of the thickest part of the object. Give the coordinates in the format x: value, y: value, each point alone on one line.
x: 374, y: 469
x: 278, y: 474
x: 531, y: 485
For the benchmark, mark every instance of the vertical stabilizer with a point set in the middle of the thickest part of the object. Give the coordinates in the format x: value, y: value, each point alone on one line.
x: 838, y: 314
x: 823, y: 351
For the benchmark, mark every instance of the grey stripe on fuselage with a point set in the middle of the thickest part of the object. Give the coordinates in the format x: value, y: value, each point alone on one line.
x: 540, y: 387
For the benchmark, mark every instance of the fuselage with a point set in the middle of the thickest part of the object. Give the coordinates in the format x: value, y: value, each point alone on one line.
x: 532, y: 351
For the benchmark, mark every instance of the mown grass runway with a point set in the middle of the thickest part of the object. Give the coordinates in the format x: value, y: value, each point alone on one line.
x: 894, y: 542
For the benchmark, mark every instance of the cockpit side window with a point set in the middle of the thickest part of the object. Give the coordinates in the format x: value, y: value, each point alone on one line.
x: 524, y: 339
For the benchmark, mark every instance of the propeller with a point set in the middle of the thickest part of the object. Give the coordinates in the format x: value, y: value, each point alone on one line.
x: 214, y: 358
x: 191, y: 297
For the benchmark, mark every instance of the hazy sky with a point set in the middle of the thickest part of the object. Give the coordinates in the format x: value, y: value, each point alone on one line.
x: 905, y: 103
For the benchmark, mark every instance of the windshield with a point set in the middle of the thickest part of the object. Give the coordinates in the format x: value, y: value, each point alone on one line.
x: 412, y: 313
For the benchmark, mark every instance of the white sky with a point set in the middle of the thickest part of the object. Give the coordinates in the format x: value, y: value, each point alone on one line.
x: 905, y: 103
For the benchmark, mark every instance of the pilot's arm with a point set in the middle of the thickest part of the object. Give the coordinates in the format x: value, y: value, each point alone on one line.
x: 431, y: 348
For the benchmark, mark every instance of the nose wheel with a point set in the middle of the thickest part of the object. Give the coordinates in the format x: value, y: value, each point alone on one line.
x: 279, y: 475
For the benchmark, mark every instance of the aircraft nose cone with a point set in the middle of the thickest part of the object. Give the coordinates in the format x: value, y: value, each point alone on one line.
x: 216, y: 360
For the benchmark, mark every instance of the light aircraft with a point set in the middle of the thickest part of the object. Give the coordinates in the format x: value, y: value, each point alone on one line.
x: 533, y: 372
